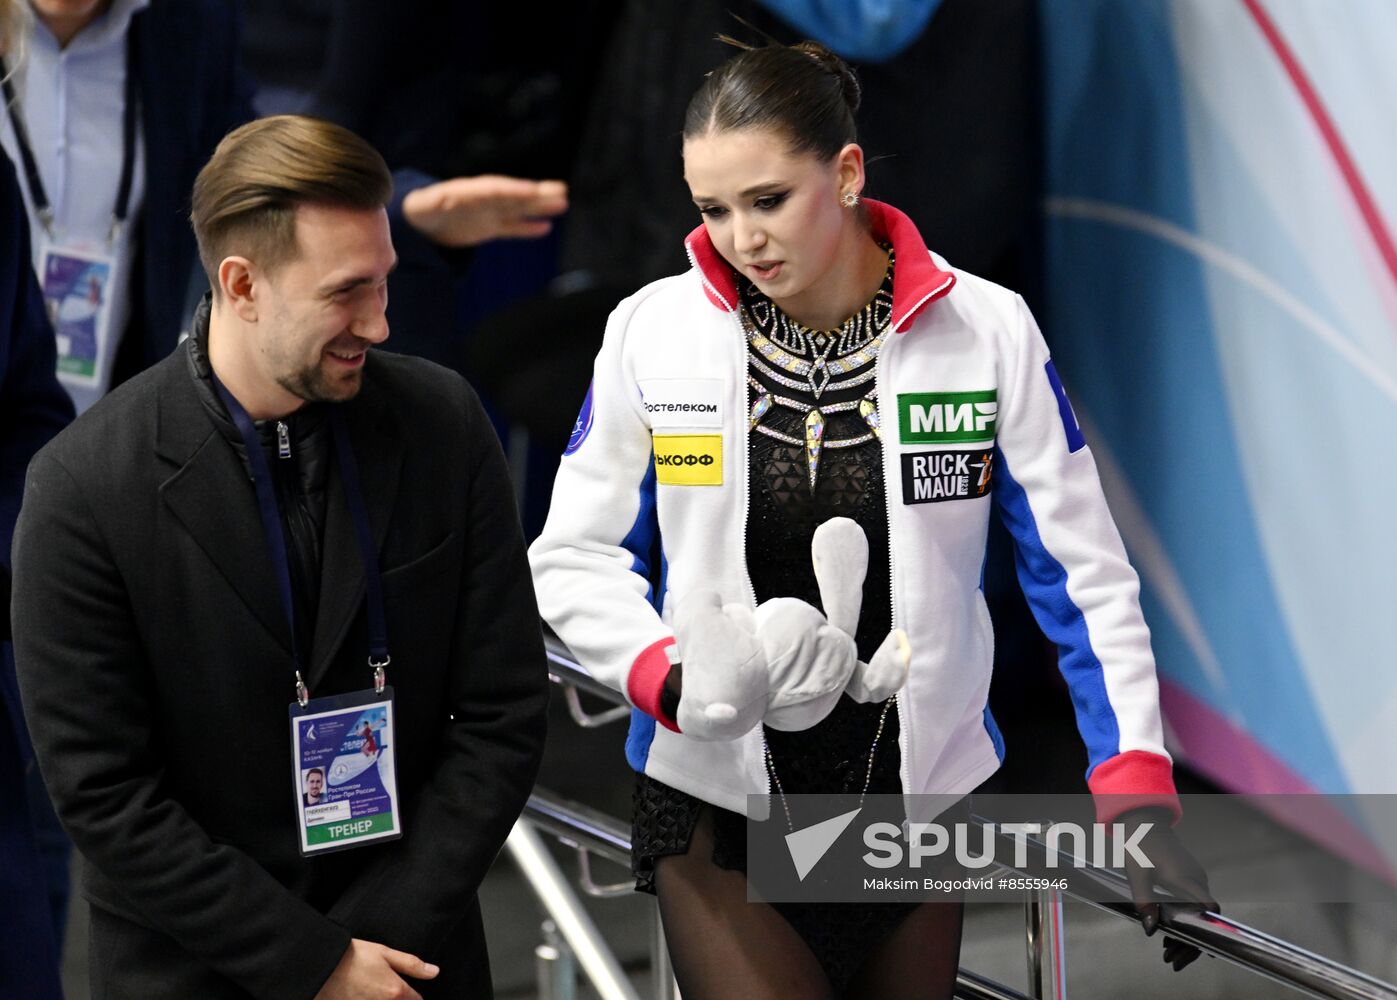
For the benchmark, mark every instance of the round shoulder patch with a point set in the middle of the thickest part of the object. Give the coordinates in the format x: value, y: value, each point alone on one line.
x: 582, y: 426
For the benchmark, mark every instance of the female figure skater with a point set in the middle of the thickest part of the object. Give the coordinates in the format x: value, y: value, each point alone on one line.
x: 818, y: 364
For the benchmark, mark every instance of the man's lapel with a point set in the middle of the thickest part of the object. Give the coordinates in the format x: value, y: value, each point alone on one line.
x: 211, y: 495
x: 378, y: 452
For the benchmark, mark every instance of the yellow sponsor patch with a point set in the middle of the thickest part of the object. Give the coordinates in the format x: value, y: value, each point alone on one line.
x: 689, y: 459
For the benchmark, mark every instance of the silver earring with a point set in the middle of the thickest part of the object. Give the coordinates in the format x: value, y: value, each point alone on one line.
x: 849, y: 199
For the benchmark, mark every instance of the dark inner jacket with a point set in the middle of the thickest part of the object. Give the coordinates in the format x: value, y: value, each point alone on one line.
x: 299, y: 480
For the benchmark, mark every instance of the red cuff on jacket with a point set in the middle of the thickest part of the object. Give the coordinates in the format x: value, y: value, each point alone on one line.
x: 1133, y: 779
x: 647, y: 680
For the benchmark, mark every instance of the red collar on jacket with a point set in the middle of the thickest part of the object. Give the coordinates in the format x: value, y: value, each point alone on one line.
x: 916, y: 281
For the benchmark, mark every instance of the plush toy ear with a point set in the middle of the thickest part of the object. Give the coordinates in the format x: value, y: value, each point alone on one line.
x: 883, y: 676
x: 839, y: 550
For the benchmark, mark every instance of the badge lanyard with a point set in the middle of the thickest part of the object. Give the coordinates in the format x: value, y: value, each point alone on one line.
x: 276, y: 538
x: 37, y: 195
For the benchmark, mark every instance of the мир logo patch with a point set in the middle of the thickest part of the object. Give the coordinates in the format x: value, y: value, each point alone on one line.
x: 947, y: 417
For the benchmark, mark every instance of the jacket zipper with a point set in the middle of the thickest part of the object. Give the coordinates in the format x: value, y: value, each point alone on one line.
x: 887, y: 427
x: 744, y: 435
x: 693, y: 261
x: 745, y: 438
x: 283, y: 440
x: 743, y: 430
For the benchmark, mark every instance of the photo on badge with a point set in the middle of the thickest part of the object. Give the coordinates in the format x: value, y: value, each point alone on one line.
x: 346, y: 783
x: 76, y: 295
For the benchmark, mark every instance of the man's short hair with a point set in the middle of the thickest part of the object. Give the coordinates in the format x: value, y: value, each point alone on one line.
x: 245, y: 198
x: 315, y: 770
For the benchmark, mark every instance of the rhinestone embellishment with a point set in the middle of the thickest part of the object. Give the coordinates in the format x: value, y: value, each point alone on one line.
x: 760, y: 406
x: 783, y: 355
x: 814, y: 441
x: 868, y: 409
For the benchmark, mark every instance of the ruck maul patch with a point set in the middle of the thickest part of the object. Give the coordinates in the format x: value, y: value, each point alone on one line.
x: 934, y: 476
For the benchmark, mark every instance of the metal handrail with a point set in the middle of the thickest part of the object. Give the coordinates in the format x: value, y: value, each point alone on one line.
x: 550, y: 885
x: 970, y: 986
x: 1230, y: 940
x: 580, y: 825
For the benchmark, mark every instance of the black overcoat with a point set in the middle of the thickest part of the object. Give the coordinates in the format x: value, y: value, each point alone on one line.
x: 156, y: 669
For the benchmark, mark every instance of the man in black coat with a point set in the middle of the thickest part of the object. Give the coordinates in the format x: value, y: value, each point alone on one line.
x: 159, y: 646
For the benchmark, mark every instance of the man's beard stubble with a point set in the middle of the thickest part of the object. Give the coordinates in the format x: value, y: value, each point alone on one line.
x: 314, y: 386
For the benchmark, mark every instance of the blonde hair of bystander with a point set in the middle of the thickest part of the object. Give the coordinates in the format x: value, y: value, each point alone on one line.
x: 14, y: 15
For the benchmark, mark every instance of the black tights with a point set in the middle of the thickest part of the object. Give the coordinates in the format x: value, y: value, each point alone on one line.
x: 722, y: 946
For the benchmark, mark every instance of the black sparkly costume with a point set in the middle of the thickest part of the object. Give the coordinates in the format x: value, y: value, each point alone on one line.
x: 807, y: 417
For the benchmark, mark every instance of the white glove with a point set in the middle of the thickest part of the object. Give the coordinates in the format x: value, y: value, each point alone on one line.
x: 724, y: 692
x: 839, y: 550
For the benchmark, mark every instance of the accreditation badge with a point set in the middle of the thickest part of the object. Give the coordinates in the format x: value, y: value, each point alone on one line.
x: 77, y: 289
x: 346, y: 785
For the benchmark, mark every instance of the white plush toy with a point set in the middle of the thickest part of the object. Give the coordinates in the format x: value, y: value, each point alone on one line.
x: 785, y: 664
x: 840, y: 552
x: 725, y: 686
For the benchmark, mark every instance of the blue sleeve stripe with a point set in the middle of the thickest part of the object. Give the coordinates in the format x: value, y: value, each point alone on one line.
x: 642, y: 731
x: 639, y: 542
x: 664, y: 579
x: 1075, y: 441
x: 1044, y: 583
x: 638, y: 740
x: 996, y: 737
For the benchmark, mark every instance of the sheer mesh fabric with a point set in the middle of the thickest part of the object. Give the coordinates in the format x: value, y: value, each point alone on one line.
x: 722, y: 945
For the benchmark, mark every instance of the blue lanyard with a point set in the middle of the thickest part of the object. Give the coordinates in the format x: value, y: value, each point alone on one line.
x: 276, y: 538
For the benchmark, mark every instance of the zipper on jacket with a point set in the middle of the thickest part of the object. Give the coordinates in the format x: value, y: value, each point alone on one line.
x: 744, y: 431
x: 744, y: 437
x: 693, y: 261
x: 283, y: 440
x: 889, y: 483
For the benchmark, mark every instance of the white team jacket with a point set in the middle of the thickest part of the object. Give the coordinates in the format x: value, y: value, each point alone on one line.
x: 971, y: 413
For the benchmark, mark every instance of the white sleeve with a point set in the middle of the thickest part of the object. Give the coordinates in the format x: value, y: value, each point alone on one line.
x: 591, y: 564
x: 1074, y: 572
